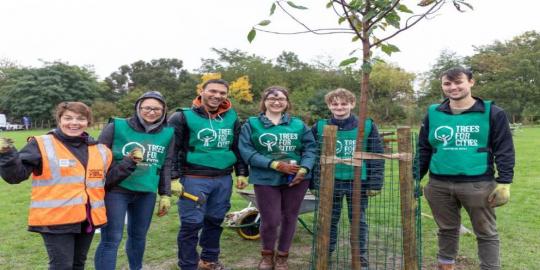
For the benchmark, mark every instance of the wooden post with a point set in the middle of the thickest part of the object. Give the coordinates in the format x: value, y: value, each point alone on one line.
x: 326, y: 194
x: 408, y: 203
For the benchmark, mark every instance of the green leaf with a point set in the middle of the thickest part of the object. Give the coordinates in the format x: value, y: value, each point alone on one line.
x: 393, y: 19
x: 389, y: 48
x: 355, y: 38
x: 349, y: 61
x: 369, y: 15
x: 329, y: 4
x: 366, y: 67
x: 272, y: 9
x: 341, y: 20
x: 264, y: 22
x: 355, y: 4
x: 404, y: 8
x: 293, y: 5
x: 251, y: 35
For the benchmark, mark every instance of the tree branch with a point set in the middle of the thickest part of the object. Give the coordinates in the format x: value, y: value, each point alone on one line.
x: 325, y: 31
x: 293, y: 17
x: 432, y: 10
x: 383, y: 15
x: 358, y: 34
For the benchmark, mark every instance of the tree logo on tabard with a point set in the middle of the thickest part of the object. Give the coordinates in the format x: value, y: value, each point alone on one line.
x: 128, y: 147
x: 339, y: 147
x: 444, y: 134
x: 268, y: 140
x: 207, y: 135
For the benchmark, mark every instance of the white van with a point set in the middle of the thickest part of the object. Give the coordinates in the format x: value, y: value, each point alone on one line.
x: 3, y: 122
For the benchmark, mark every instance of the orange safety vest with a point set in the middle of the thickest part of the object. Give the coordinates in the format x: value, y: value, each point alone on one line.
x: 61, y: 192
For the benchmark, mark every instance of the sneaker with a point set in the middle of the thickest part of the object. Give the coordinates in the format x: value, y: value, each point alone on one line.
x: 204, y: 265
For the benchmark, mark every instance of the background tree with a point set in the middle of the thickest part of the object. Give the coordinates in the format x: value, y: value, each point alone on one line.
x: 508, y: 73
x: 166, y: 75
x: 35, y: 92
x: 391, y: 91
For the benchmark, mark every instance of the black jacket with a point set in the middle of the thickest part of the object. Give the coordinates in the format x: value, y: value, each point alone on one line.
x: 181, y: 133
x: 374, y: 167
x: 500, y: 146
x: 16, y: 167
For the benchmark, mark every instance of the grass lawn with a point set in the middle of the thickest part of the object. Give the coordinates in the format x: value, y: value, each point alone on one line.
x: 518, y: 224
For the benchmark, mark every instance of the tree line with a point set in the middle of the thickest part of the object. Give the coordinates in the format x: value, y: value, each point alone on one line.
x: 507, y: 72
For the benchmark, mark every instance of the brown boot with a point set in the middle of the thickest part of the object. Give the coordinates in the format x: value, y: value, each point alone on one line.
x: 444, y: 266
x: 267, y: 260
x: 204, y: 265
x: 281, y: 261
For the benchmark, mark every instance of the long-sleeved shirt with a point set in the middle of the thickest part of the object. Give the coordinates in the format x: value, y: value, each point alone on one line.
x: 500, y: 146
x: 260, y: 164
x: 374, y: 167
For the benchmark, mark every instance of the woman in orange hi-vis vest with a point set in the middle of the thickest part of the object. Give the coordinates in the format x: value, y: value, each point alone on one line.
x: 68, y: 171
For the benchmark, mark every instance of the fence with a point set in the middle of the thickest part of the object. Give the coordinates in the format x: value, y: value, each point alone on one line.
x: 374, y: 232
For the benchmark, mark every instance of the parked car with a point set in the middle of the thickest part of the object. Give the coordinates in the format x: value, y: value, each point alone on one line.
x: 10, y: 126
x: 3, y: 121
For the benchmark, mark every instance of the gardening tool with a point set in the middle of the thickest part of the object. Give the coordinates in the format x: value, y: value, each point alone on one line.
x: 200, y: 200
x: 178, y: 189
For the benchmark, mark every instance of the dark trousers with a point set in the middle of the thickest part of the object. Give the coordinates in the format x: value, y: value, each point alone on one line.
x: 205, y: 219
x: 67, y: 251
x: 344, y: 189
x: 446, y: 200
x: 279, y: 207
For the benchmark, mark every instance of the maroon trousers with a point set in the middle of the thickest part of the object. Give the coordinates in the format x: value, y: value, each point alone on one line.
x: 279, y: 207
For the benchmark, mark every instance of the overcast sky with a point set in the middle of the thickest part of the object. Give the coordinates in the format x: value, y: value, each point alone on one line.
x: 106, y: 34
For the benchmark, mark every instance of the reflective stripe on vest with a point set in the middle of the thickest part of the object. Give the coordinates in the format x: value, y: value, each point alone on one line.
x: 56, y: 203
x: 65, y: 186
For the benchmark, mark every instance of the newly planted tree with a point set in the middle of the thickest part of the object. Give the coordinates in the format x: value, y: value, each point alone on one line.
x: 372, y: 23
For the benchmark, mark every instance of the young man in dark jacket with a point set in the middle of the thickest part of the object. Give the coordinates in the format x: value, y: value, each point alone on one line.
x: 459, y: 142
x: 340, y: 102
x: 207, y: 151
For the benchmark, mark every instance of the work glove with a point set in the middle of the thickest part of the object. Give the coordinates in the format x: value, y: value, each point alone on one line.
x: 136, y: 154
x: 164, y: 205
x: 499, y: 196
x: 241, y: 182
x: 284, y: 167
x: 6, y: 144
x: 373, y: 192
x: 299, y: 177
x: 177, y: 188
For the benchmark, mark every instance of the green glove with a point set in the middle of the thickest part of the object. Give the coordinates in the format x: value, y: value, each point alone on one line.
x: 6, y: 144
x: 164, y: 205
x: 177, y: 188
x: 500, y: 195
x: 241, y: 182
x: 373, y: 193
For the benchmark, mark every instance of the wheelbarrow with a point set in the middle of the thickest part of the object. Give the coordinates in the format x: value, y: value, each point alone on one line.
x: 248, y: 220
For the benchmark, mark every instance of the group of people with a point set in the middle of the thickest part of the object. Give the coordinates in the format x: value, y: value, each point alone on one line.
x: 79, y: 185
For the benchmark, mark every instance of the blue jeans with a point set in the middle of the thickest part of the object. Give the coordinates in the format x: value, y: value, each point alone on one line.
x: 206, y: 218
x: 345, y: 189
x: 139, y: 208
